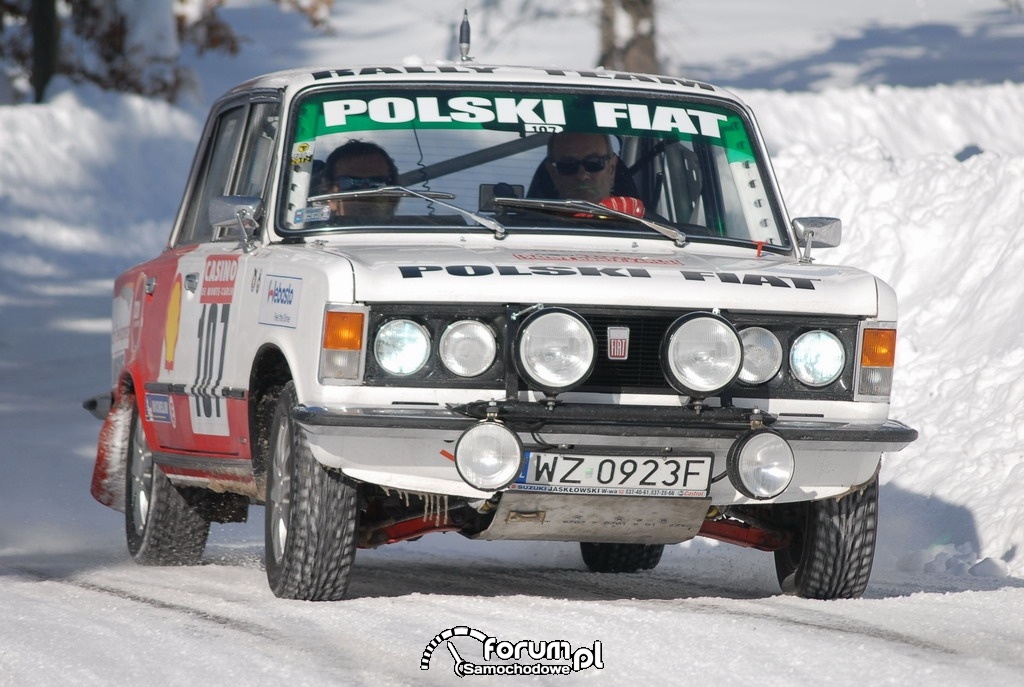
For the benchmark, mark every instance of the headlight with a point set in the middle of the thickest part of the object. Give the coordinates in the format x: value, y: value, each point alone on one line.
x: 467, y: 348
x: 760, y: 464
x: 402, y: 347
x: 701, y: 354
x: 488, y: 456
x: 762, y: 355
x: 555, y: 350
x: 817, y: 358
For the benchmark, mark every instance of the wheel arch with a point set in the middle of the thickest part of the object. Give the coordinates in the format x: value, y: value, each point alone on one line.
x: 270, y: 371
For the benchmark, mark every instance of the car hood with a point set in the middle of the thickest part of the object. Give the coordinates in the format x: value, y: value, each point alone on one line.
x: 679, y: 279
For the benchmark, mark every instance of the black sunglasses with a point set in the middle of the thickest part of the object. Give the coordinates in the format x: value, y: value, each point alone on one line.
x: 591, y: 163
x: 350, y: 183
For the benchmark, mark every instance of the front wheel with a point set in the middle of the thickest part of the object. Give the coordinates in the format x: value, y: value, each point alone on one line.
x: 620, y: 558
x: 833, y: 546
x: 161, y: 527
x: 311, y: 515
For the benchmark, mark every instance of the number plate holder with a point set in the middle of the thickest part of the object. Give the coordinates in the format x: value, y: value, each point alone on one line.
x: 679, y: 475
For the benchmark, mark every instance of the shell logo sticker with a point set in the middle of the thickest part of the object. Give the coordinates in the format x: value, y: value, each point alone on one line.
x: 172, y: 324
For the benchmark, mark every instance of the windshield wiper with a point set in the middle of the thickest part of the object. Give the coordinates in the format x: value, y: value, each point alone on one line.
x: 584, y: 206
x: 403, y: 192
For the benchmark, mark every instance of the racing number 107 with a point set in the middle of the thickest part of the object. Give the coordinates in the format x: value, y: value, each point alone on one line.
x: 213, y: 335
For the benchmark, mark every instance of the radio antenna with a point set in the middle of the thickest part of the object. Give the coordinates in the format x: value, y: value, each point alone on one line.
x: 464, y: 37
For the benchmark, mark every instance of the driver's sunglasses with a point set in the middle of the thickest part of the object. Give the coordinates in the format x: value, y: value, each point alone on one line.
x: 592, y: 164
x: 349, y: 183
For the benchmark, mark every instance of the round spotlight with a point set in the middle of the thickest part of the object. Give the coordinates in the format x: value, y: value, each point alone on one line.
x: 701, y: 354
x: 402, y: 347
x: 555, y: 350
x: 467, y: 348
x: 488, y: 456
x: 760, y: 464
x: 817, y: 358
x: 762, y: 355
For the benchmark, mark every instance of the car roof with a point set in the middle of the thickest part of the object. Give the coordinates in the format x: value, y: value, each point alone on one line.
x: 293, y: 80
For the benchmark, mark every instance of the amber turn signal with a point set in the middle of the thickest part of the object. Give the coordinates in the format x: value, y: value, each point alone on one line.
x: 343, y: 331
x: 878, y: 348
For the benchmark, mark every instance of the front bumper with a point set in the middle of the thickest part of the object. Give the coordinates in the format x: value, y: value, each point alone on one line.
x: 411, y: 448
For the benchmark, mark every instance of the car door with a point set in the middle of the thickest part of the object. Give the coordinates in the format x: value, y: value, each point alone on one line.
x: 203, y: 382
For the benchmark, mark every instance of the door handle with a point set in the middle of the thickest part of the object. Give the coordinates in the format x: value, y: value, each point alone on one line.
x: 191, y: 281
x: 150, y: 285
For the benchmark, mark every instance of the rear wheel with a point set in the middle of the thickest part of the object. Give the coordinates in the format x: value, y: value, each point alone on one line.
x: 620, y: 558
x: 161, y: 527
x: 833, y: 546
x: 311, y: 515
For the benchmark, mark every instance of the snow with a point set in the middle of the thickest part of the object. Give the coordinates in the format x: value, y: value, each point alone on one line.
x: 902, y: 118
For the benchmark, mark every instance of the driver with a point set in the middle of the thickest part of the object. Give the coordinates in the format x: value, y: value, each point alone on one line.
x: 582, y: 167
x: 358, y: 165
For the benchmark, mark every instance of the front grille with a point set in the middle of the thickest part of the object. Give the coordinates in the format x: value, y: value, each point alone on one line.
x: 641, y: 370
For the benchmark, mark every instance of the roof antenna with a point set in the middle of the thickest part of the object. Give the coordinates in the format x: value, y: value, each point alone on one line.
x: 464, y: 37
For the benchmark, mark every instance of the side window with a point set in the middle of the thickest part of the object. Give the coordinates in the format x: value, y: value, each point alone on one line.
x: 213, y: 177
x: 257, y: 150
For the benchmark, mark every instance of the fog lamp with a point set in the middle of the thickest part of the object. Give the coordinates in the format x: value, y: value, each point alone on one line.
x: 760, y: 464
x: 488, y: 456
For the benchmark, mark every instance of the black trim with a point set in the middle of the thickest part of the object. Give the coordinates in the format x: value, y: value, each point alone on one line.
x: 641, y: 373
x: 186, y: 390
x: 210, y: 464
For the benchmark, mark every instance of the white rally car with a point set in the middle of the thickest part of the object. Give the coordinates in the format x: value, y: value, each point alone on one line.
x: 447, y: 339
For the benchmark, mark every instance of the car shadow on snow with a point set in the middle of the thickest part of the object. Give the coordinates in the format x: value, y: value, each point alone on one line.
x: 916, y: 56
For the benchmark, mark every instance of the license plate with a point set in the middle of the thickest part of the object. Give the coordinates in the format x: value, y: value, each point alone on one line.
x: 562, y: 473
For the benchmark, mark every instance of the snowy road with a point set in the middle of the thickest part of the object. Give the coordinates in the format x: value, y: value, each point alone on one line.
x: 708, y: 612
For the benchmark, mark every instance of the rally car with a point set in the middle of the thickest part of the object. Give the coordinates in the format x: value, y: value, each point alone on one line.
x: 493, y: 329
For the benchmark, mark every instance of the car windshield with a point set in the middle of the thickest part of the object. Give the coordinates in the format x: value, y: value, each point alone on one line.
x: 440, y: 157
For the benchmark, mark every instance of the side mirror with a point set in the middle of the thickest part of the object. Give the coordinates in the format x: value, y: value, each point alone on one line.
x: 817, y: 232
x: 229, y: 214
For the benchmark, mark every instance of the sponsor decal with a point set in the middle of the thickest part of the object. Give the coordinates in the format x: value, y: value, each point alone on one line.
x: 532, y: 114
x: 219, y: 279
x: 315, y: 213
x: 606, y: 258
x: 659, y: 118
x: 172, y: 324
x: 160, y: 408
x: 474, y: 69
x: 548, y: 114
x: 750, y: 279
x: 279, y: 303
x: 618, y: 343
x: 523, y: 657
x: 302, y: 153
x: 744, y: 279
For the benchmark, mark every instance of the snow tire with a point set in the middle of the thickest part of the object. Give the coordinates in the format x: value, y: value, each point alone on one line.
x: 162, y: 528
x: 833, y: 546
x: 620, y: 558
x: 311, y: 515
